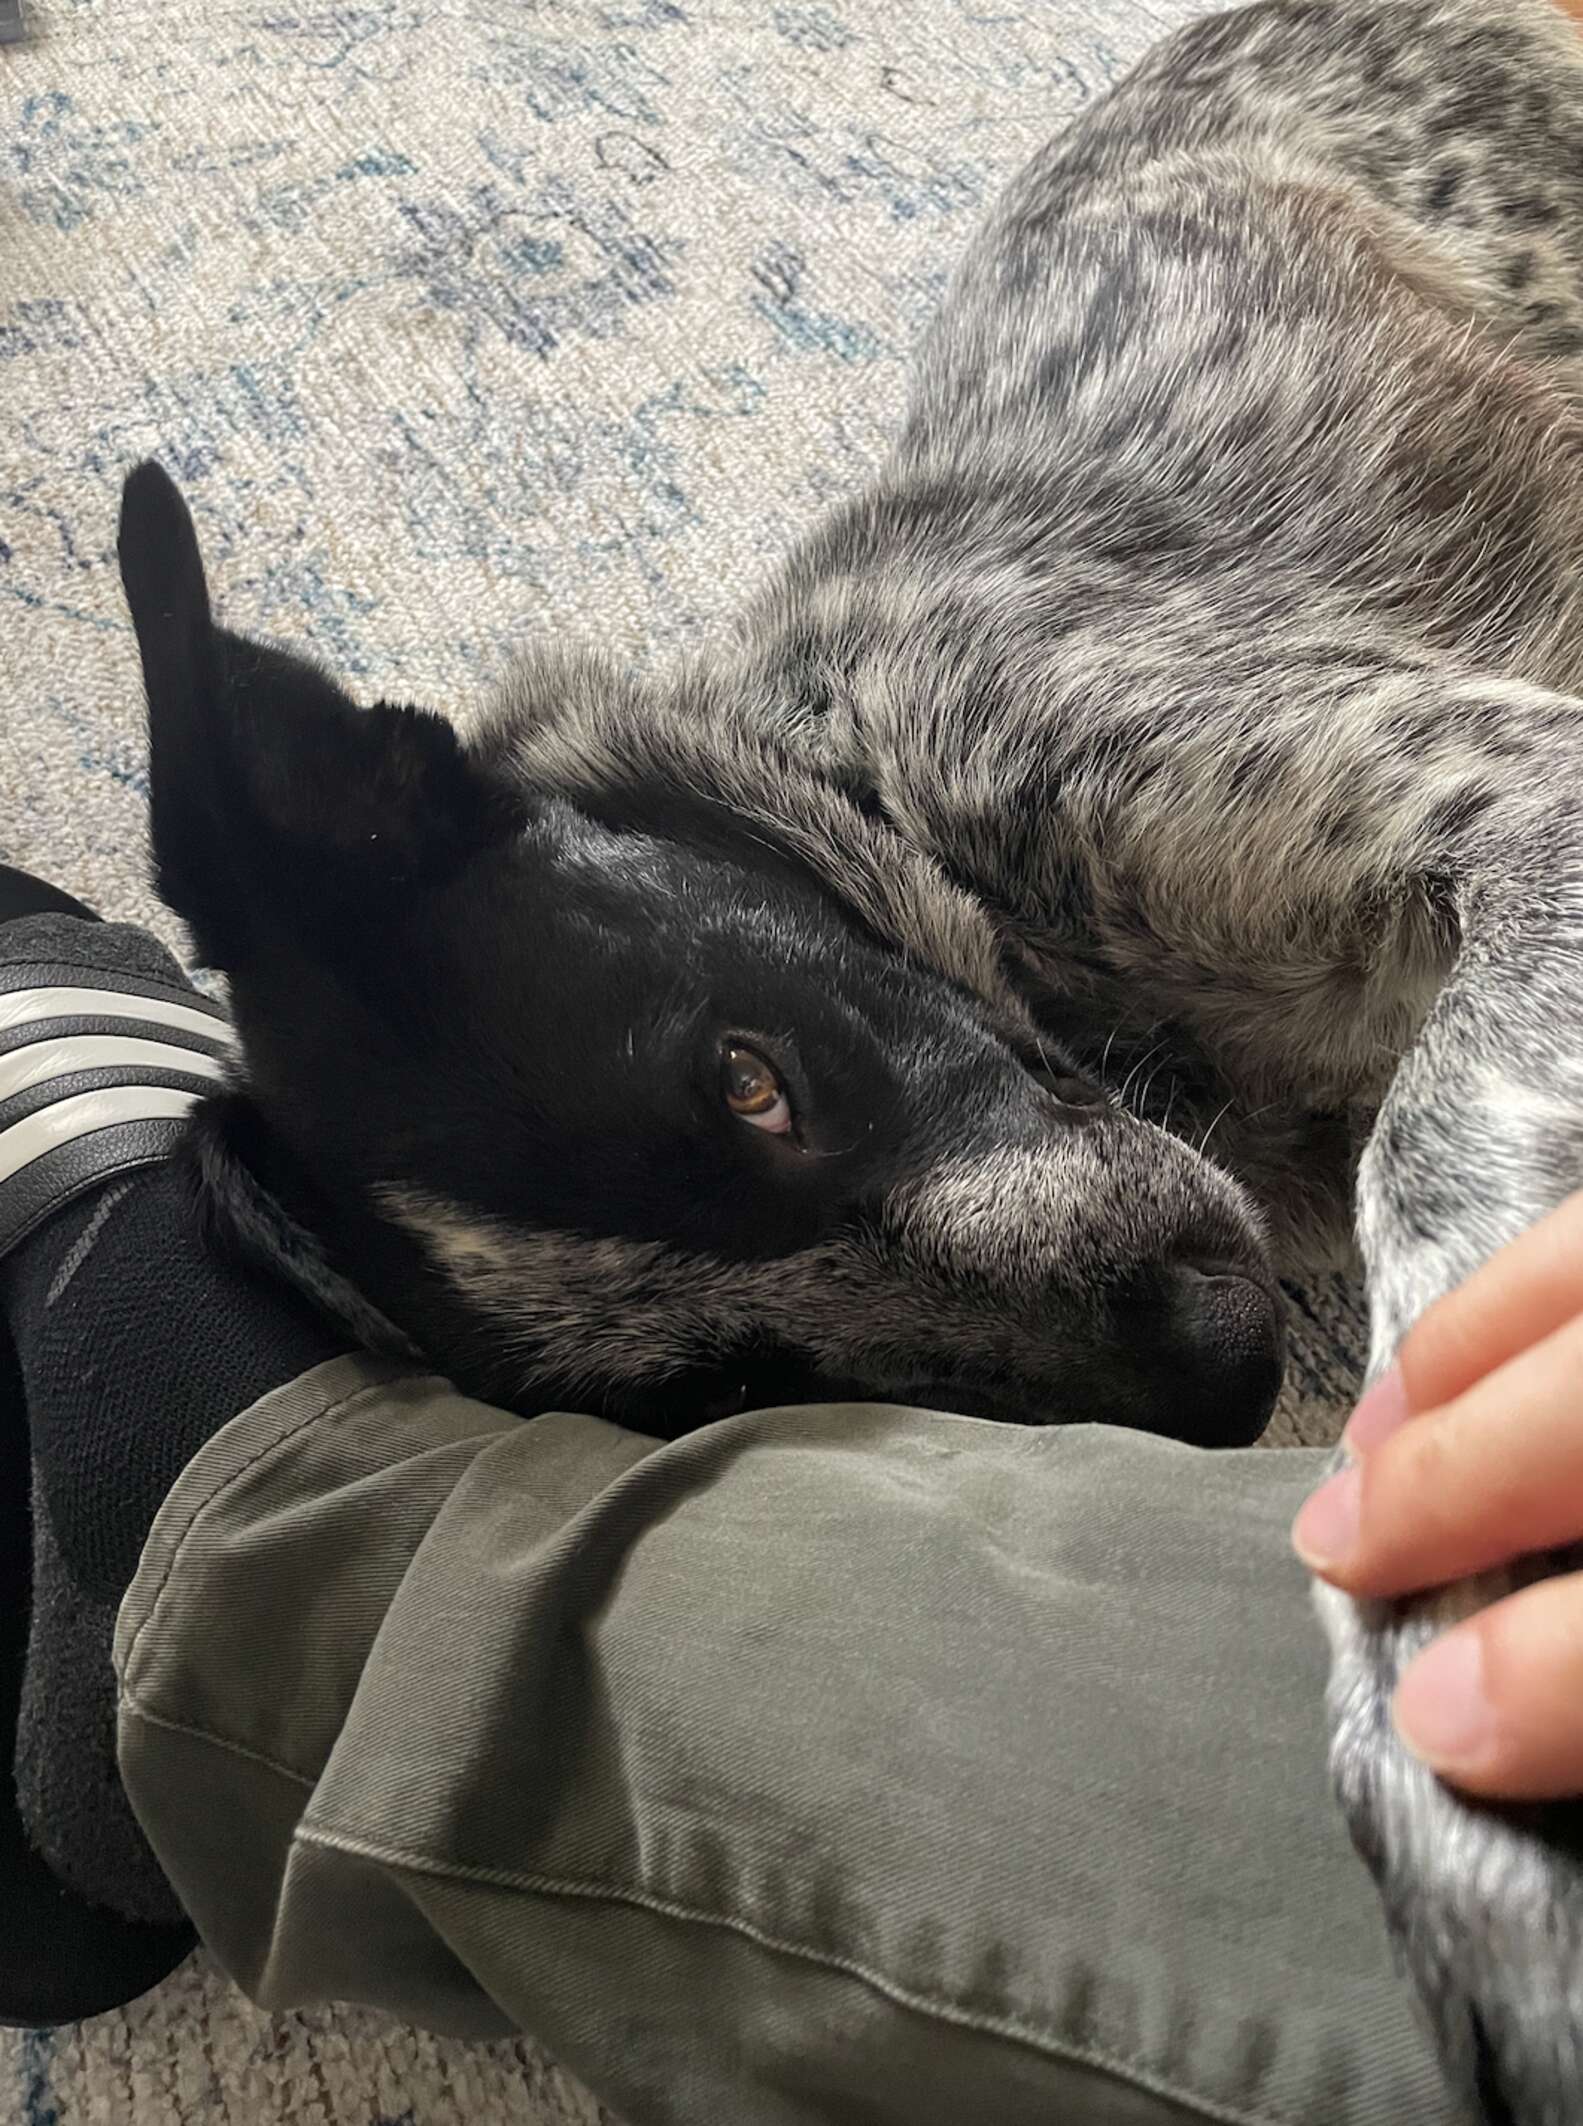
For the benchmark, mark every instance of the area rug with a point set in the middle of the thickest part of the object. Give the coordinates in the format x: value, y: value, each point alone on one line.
x: 457, y: 324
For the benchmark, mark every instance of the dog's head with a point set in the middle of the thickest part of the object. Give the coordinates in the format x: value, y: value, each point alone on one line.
x: 623, y: 1061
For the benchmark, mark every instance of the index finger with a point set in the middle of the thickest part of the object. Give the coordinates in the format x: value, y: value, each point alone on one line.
x: 1520, y: 1296
x: 1494, y: 1475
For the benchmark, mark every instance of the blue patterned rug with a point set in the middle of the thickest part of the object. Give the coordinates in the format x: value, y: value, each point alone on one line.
x: 455, y: 324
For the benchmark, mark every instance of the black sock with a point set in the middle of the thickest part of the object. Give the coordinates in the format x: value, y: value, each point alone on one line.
x: 135, y: 1345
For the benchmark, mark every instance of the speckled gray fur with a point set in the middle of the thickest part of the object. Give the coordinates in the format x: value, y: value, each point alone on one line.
x: 1217, y: 624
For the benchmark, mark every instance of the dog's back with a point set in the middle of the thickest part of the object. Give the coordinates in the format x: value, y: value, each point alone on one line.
x: 1252, y: 423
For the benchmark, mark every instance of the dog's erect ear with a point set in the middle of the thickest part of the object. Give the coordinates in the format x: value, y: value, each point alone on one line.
x: 274, y: 797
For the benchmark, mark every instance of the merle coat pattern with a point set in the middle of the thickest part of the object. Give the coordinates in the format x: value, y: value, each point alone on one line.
x: 1151, y: 804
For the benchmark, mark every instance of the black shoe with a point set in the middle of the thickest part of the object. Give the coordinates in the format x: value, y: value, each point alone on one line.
x: 61, y: 1958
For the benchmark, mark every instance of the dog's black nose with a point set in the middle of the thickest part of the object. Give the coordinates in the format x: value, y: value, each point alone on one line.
x: 1221, y: 1347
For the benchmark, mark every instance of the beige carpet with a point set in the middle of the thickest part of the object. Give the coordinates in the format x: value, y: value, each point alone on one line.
x: 456, y: 323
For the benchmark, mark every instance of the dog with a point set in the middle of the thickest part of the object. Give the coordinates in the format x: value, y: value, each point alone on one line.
x: 1127, y: 853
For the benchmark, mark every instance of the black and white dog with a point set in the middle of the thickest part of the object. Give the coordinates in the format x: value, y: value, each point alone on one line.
x: 1178, y: 739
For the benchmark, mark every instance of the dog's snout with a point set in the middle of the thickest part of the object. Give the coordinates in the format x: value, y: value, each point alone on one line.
x: 1219, y: 1342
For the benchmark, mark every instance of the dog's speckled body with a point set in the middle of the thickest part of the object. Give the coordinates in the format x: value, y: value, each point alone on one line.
x: 1194, y: 697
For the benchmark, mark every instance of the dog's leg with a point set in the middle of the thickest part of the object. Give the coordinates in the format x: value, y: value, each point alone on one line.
x: 1481, y: 1133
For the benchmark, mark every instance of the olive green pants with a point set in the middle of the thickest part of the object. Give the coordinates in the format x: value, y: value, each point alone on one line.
x: 841, y: 1763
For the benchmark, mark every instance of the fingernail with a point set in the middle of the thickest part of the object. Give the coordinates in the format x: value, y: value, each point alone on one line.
x: 1326, y: 1530
x: 1442, y: 1711
x: 1381, y: 1411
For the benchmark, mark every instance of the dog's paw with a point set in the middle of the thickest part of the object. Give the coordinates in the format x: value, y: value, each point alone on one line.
x: 1485, y: 1905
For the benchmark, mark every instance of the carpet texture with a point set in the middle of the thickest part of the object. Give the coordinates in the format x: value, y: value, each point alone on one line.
x: 456, y: 324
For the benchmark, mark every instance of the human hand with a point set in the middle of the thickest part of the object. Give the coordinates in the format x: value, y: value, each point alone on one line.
x: 1466, y: 1455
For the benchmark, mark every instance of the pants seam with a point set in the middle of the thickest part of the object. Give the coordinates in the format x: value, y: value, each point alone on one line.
x: 1009, y: 2027
x: 128, y: 1703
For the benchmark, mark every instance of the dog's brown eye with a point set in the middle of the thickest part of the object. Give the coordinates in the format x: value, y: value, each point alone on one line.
x: 753, y: 1090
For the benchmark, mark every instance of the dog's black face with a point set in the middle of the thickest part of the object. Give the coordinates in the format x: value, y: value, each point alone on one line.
x: 611, y: 1117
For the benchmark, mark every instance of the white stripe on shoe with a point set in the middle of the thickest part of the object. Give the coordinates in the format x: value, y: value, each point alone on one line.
x: 23, y: 1007
x: 82, y: 1115
x: 22, y: 1068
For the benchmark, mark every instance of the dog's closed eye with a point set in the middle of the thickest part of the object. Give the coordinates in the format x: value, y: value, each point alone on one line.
x: 752, y: 1089
x: 1077, y: 1096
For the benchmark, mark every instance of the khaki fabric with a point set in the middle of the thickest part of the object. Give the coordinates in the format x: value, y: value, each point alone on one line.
x: 839, y: 1763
